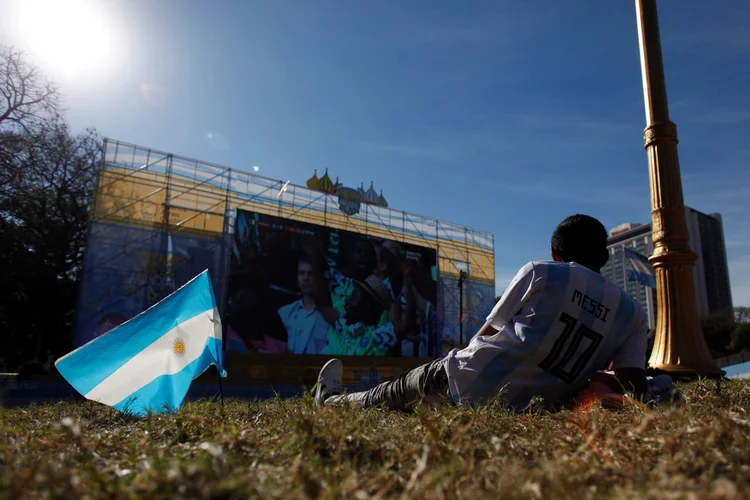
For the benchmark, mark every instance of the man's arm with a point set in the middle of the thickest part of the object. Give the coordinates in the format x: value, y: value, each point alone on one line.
x: 487, y: 330
x: 512, y: 301
x: 629, y: 362
x: 633, y: 380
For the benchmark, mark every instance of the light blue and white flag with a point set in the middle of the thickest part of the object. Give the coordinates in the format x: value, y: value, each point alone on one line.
x: 641, y: 269
x: 148, y: 363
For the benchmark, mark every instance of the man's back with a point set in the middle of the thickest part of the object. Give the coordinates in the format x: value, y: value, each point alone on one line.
x: 558, y: 323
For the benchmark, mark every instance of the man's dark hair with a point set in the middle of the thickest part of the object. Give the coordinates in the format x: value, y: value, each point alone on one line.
x: 581, y: 239
x: 317, y: 262
x: 304, y: 257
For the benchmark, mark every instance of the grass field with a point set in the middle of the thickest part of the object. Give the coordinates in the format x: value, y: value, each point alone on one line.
x: 290, y: 449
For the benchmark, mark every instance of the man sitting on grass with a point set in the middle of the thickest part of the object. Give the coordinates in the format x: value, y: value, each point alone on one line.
x: 557, y: 325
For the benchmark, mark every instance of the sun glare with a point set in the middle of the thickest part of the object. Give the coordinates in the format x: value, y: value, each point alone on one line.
x: 71, y: 39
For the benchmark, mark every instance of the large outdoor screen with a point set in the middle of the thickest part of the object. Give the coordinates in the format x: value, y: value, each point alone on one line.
x: 303, y: 288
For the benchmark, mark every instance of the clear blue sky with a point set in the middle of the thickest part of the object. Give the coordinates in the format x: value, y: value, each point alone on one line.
x: 506, y: 116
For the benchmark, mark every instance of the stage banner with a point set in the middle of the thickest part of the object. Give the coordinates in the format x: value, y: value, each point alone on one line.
x: 479, y: 299
x: 128, y: 269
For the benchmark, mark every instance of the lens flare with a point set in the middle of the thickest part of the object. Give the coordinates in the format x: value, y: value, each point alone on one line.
x: 153, y: 94
x: 217, y: 140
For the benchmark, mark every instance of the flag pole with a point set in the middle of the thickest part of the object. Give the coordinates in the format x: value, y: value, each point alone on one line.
x: 221, y: 388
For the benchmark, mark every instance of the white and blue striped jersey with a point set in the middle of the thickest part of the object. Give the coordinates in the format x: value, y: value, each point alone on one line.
x: 558, y: 323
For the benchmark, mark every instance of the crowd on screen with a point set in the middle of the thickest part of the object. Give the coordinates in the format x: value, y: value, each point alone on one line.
x: 371, y: 297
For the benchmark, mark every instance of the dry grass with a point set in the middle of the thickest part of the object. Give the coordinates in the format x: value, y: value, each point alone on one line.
x: 290, y: 449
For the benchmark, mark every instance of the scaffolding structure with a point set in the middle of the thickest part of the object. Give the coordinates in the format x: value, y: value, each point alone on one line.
x: 159, y: 219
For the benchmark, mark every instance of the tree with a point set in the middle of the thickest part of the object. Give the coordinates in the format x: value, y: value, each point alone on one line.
x: 43, y: 222
x: 27, y: 97
x: 728, y: 334
x: 740, y: 338
x: 46, y: 186
x: 717, y: 329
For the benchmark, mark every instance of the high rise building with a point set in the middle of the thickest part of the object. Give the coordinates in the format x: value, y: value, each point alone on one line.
x: 707, y: 234
x: 711, y: 273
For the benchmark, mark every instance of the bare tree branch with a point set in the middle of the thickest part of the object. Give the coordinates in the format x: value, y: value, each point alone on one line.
x: 27, y: 96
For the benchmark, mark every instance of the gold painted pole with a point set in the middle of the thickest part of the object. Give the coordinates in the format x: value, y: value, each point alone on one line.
x: 679, y: 346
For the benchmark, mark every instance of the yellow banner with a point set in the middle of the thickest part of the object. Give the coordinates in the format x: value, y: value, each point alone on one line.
x: 139, y: 198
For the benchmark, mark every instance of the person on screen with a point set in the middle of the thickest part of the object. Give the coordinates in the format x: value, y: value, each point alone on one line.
x: 358, y: 329
x: 363, y: 260
x: 365, y: 317
x: 306, y: 327
x: 418, y: 276
x: 249, y: 318
x: 405, y: 278
x: 389, y: 266
x: 558, y: 323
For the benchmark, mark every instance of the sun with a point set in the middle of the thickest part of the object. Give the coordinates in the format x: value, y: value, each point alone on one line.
x: 72, y: 39
x: 179, y: 347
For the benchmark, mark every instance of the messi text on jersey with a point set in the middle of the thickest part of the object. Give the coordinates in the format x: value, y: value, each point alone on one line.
x: 590, y: 305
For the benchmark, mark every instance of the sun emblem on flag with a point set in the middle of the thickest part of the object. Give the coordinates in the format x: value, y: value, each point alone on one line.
x: 179, y: 347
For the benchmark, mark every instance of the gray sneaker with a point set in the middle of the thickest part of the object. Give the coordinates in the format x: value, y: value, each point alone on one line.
x: 329, y: 380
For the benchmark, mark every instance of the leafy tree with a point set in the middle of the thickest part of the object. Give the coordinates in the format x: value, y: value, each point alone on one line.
x: 740, y: 338
x: 718, y: 329
x: 46, y: 185
x: 728, y: 333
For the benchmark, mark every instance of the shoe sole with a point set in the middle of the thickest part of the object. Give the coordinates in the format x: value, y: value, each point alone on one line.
x: 318, y: 394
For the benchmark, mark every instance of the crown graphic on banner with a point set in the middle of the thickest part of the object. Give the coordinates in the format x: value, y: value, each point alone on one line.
x: 350, y: 199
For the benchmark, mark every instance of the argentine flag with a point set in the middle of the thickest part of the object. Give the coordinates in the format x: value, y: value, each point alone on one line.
x: 641, y: 269
x: 148, y: 363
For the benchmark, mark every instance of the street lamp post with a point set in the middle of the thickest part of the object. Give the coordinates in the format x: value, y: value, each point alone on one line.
x: 461, y: 277
x: 679, y: 346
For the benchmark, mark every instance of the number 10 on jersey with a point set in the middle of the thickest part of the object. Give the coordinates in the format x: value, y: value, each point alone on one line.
x: 570, y: 354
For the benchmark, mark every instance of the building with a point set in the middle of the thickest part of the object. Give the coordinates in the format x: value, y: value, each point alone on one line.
x: 707, y: 234
x: 711, y: 273
x: 636, y: 237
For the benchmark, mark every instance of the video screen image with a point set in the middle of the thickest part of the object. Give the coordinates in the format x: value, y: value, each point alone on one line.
x: 302, y: 288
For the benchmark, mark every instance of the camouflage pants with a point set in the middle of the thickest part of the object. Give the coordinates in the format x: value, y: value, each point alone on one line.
x: 427, y: 383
